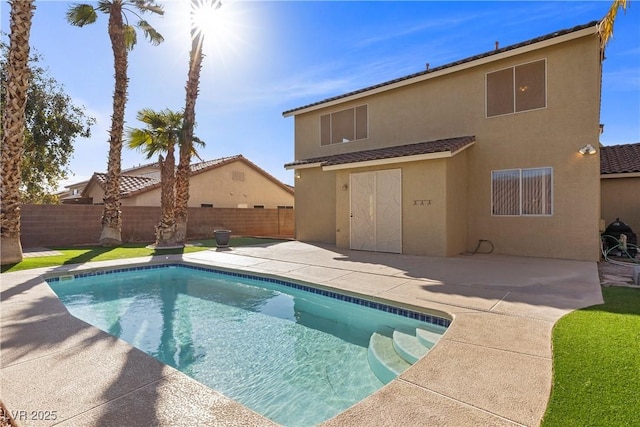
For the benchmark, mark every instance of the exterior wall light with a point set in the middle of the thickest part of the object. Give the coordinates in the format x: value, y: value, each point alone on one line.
x: 297, y: 175
x: 587, y: 149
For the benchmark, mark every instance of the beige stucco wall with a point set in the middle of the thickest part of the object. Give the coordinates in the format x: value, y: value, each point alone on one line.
x: 218, y: 188
x: 317, y: 200
x: 453, y: 105
x: 621, y: 199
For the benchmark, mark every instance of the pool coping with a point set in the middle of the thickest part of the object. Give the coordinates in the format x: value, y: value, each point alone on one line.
x: 492, y: 366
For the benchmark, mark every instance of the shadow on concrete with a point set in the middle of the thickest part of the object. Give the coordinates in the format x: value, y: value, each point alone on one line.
x: 560, y: 284
x: 78, y: 370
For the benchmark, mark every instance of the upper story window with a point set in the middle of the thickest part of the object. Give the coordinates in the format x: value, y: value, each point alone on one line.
x: 517, y: 192
x: 516, y: 89
x: 344, y: 126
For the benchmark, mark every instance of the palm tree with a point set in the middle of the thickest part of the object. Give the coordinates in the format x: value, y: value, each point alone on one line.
x: 160, y: 136
x: 193, y: 81
x: 13, y: 129
x: 123, y: 39
x: 606, y: 25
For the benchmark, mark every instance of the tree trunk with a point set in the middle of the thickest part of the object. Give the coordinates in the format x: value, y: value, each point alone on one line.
x: 186, y: 143
x: 13, y: 123
x: 111, y: 215
x: 166, y: 229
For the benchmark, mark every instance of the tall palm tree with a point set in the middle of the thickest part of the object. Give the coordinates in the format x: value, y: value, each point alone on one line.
x: 606, y: 25
x: 193, y: 81
x: 13, y: 121
x: 160, y: 136
x: 123, y: 39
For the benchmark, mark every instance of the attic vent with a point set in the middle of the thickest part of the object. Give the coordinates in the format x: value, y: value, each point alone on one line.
x: 237, y: 176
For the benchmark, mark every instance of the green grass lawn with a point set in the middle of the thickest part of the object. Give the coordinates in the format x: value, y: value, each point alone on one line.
x: 75, y: 255
x: 596, y: 364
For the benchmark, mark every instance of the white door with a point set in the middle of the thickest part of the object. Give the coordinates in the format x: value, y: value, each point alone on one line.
x: 376, y: 211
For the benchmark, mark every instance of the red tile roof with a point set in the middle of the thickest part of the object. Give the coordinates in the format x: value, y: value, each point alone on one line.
x: 450, y: 65
x: 452, y: 145
x: 620, y: 158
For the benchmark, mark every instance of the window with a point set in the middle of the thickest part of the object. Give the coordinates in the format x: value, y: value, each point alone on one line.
x: 517, y: 89
x: 285, y: 207
x: 522, y: 192
x: 206, y: 205
x: 344, y: 126
x: 258, y: 206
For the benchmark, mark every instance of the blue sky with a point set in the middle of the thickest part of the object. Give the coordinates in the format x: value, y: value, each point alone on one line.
x: 268, y: 57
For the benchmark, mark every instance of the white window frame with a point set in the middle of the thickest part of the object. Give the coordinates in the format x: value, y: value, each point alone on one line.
x: 513, y: 69
x: 520, y: 192
x: 354, y: 126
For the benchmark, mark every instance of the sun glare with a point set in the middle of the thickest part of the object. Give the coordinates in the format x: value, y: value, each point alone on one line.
x: 207, y: 18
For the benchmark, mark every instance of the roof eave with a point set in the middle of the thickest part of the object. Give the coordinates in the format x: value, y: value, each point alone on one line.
x: 398, y: 159
x: 449, y: 70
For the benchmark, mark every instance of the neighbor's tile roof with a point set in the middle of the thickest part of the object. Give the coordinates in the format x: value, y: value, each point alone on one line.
x: 442, y: 145
x: 128, y: 183
x: 131, y: 185
x: 452, y: 64
x: 620, y: 158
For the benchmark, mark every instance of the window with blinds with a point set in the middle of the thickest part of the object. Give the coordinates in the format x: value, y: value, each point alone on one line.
x: 344, y: 126
x: 517, y: 192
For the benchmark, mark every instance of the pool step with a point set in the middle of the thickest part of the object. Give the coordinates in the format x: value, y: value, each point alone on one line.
x: 385, y: 363
x: 427, y: 338
x: 408, y: 346
x: 391, y: 351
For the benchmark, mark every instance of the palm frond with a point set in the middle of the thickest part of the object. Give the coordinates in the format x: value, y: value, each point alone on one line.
x: 130, y: 37
x: 606, y: 25
x: 80, y: 15
x: 150, y: 33
x: 148, y: 6
x: 104, y: 6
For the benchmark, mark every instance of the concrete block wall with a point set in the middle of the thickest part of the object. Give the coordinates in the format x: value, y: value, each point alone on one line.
x: 68, y: 225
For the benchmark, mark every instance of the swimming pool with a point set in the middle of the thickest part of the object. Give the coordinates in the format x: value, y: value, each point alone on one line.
x: 296, y: 354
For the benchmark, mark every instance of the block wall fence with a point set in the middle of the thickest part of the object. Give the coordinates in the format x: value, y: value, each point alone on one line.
x: 68, y: 225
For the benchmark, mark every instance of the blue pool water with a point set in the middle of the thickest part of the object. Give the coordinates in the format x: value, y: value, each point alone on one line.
x: 295, y: 356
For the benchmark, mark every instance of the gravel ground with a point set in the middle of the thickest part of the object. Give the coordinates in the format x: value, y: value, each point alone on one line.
x: 617, y: 275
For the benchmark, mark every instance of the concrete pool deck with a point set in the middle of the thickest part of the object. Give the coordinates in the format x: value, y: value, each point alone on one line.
x: 493, y: 366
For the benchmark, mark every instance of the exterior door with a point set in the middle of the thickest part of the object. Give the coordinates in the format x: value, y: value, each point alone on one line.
x: 376, y: 211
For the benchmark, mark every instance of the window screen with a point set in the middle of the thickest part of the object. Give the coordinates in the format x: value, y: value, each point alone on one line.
x: 516, y: 89
x: 522, y: 192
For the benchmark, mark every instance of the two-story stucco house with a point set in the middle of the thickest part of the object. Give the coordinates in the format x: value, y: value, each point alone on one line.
x: 480, y: 154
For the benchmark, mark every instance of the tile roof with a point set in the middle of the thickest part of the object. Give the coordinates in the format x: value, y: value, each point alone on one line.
x: 128, y: 183
x: 131, y: 185
x: 452, y: 145
x: 450, y: 65
x: 623, y: 158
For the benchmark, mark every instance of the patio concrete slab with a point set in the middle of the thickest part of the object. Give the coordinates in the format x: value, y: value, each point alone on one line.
x: 509, y: 333
x: 175, y: 400
x: 409, y: 405
x: 511, y: 385
x: 461, y: 296
x: 492, y: 366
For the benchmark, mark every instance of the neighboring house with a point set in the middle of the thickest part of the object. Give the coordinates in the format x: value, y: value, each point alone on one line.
x: 73, y: 192
x: 443, y: 160
x: 620, y: 184
x: 228, y: 182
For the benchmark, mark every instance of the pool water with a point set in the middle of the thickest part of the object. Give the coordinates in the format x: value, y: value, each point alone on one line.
x: 296, y: 357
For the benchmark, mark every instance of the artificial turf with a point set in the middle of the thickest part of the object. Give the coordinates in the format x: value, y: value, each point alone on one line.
x: 596, y: 364
x: 76, y: 255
